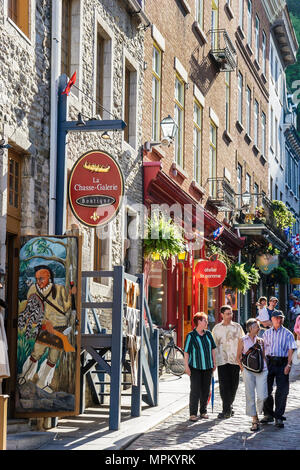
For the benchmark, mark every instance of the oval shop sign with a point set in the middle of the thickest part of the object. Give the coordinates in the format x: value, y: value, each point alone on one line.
x: 96, y: 188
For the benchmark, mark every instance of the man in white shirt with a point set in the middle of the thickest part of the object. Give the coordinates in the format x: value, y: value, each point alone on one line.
x: 226, y: 335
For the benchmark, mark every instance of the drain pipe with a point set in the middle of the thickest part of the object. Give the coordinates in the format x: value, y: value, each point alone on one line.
x: 55, y: 73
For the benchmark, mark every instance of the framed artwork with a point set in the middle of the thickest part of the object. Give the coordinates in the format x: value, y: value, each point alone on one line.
x: 48, y: 344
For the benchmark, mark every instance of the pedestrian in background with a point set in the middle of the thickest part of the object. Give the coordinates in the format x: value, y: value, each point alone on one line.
x: 255, y: 382
x: 279, y: 347
x: 226, y: 336
x: 200, y: 362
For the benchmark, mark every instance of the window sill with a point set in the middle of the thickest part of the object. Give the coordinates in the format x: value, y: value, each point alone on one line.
x: 200, y: 32
x: 264, y: 78
x: 228, y: 136
x: 263, y: 159
x: 256, y: 149
x: 248, y: 139
x: 197, y: 187
x: 177, y: 169
x: 249, y: 49
x: 240, y: 126
x: 241, y: 32
x: 127, y: 147
x: 186, y: 6
x: 229, y: 11
x: 16, y: 27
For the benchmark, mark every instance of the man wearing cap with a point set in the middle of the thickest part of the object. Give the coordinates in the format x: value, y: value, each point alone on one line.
x: 279, y: 347
x: 266, y: 322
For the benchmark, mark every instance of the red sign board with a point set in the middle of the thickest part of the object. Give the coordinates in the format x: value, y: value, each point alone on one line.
x: 96, y: 188
x: 211, y: 272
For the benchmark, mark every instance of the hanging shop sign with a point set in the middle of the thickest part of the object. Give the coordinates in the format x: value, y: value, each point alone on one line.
x: 96, y: 188
x: 266, y: 263
x: 211, y: 272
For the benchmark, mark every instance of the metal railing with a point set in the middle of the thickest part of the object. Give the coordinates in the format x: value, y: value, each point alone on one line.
x: 222, y: 194
x: 223, y: 50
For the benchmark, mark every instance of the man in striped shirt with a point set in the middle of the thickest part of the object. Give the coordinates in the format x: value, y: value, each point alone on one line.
x: 279, y: 345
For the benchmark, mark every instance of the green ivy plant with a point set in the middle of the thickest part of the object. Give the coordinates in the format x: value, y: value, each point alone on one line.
x: 278, y: 276
x: 163, y: 237
x: 293, y: 270
x: 283, y: 217
x: 241, y: 277
x: 212, y: 249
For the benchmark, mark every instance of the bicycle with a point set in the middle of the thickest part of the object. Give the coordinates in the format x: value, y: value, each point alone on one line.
x: 170, y: 356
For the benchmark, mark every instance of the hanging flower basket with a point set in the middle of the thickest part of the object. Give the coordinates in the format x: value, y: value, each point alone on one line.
x: 163, y: 238
x: 241, y: 277
x: 283, y: 217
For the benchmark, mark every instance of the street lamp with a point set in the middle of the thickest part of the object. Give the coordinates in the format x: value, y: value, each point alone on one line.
x: 168, y: 130
x: 246, y: 198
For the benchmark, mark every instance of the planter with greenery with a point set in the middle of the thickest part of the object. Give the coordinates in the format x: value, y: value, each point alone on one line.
x: 242, y: 277
x: 283, y: 217
x: 278, y: 276
x: 163, y: 238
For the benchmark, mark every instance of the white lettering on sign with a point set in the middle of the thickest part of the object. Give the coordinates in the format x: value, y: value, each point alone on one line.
x: 99, y: 187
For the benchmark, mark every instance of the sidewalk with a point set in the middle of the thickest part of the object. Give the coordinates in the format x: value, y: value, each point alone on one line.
x: 90, y: 431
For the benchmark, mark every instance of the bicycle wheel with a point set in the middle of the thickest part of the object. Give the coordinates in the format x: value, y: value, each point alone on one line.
x: 174, y: 359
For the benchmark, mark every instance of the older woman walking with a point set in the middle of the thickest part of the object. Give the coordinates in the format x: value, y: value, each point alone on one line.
x: 200, y: 362
x: 254, y: 381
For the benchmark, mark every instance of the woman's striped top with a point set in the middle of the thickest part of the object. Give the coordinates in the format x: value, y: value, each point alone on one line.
x: 199, y: 349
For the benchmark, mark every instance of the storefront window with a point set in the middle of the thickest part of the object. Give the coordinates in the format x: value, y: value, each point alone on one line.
x: 211, y: 306
x: 157, y: 296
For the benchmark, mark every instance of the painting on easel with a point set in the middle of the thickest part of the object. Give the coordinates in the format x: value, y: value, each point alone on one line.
x: 48, y: 325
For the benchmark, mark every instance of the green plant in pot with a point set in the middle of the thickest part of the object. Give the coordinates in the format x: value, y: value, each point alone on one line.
x: 283, y: 217
x: 241, y: 277
x: 278, y: 276
x: 163, y: 238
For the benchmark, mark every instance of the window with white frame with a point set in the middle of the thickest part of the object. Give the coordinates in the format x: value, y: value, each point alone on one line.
x: 240, y: 97
x: 213, y: 158
x: 227, y: 100
x: 103, y: 71
x: 263, y: 133
x: 214, y: 22
x: 199, y: 13
x: 264, y: 52
x: 179, y: 119
x: 280, y: 146
x: 257, y: 29
x: 276, y: 137
x: 156, y: 92
x: 241, y: 14
x: 256, y: 192
x: 248, y: 183
x: 272, y: 61
x: 256, y: 117
x: 197, y: 141
x: 70, y: 40
x: 272, y: 128
x: 130, y: 103
x: 276, y: 75
x: 249, y: 23
x: 239, y: 183
x: 248, y: 111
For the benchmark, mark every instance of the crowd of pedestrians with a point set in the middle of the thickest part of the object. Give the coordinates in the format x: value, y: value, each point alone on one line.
x: 264, y: 356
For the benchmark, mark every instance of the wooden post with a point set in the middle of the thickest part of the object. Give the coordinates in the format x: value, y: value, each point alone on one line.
x: 3, y: 421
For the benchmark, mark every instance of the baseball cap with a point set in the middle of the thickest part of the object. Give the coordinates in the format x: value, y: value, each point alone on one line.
x: 277, y: 313
x: 273, y: 298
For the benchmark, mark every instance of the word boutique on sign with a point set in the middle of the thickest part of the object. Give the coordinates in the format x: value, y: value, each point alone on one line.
x: 211, y: 272
x: 96, y: 188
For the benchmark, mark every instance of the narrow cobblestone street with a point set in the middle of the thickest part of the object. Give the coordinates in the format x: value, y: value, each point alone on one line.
x: 178, y: 433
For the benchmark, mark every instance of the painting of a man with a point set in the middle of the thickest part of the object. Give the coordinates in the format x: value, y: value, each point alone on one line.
x: 48, y: 307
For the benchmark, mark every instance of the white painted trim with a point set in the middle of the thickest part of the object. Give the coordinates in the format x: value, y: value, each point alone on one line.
x: 158, y: 37
x: 214, y: 117
x: 198, y: 95
x: 134, y: 99
x: 180, y: 69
